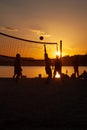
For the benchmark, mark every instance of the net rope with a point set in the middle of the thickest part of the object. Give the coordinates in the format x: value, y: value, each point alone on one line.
x: 11, y: 45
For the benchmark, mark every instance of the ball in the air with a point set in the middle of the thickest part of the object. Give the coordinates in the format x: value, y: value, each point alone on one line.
x: 41, y: 37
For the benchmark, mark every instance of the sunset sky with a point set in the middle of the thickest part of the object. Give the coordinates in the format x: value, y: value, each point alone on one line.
x: 56, y: 20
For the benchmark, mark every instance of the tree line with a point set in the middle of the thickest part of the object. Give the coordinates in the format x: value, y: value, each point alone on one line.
x: 66, y: 61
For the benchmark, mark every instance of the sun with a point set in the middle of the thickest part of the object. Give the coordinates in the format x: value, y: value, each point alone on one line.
x: 58, y: 54
x: 57, y: 75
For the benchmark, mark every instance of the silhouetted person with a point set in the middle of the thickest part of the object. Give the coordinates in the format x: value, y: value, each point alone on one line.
x: 58, y: 66
x: 17, y: 68
x: 76, y: 66
x: 83, y: 75
x: 47, y: 65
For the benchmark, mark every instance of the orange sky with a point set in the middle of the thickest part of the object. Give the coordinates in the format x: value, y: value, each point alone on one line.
x: 56, y: 20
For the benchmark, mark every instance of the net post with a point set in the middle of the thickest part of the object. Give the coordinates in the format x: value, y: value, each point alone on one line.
x: 57, y: 47
x: 60, y: 48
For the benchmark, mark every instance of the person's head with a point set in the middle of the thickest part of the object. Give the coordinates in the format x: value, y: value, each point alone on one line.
x: 57, y: 57
x: 18, y: 56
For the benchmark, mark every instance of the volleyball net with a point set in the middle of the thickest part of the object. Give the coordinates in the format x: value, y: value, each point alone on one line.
x: 11, y: 45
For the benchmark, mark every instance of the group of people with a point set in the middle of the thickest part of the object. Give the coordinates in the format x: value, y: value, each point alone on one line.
x: 57, y: 66
x: 18, y: 70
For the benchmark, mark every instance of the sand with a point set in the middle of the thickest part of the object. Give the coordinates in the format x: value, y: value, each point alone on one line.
x: 32, y: 103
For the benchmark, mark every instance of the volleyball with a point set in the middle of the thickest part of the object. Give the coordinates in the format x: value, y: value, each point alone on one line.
x: 41, y: 37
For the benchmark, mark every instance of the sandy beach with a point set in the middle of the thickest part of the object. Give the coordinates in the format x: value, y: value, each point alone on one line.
x: 32, y: 103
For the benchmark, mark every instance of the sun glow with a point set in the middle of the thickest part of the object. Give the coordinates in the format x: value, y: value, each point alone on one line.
x: 58, y: 54
x: 57, y: 75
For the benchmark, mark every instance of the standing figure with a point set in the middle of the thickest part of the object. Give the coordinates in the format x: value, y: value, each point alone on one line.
x: 17, y: 68
x: 47, y: 65
x: 58, y: 66
x: 76, y: 66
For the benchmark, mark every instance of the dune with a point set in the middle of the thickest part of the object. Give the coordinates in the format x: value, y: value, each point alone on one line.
x: 32, y: 103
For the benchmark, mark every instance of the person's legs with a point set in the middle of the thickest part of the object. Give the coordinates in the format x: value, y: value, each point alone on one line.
x: 54, y: 73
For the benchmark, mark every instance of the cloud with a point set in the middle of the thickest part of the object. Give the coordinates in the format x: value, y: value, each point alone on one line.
x: 38, y: 32
x: 9, y: 28
x: 47, y: 35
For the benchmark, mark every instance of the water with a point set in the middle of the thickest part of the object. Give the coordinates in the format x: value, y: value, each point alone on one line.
x: 34, y: 71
